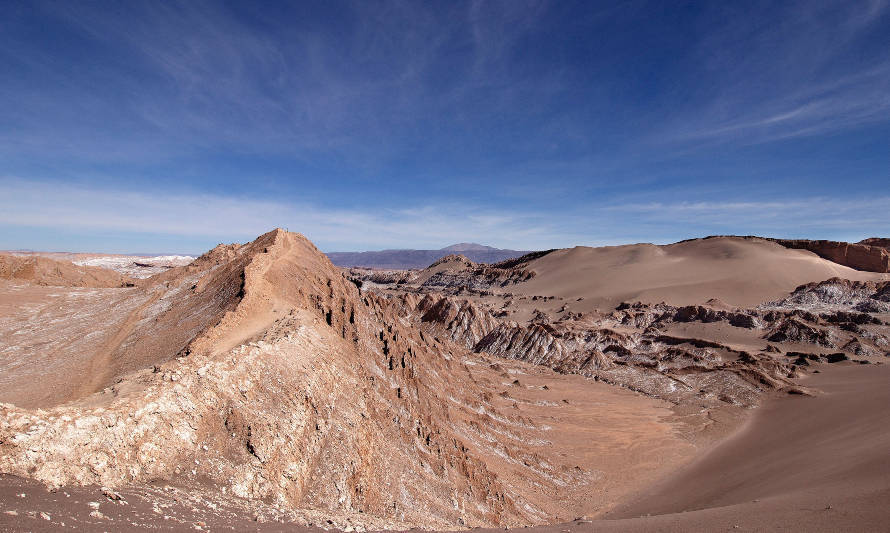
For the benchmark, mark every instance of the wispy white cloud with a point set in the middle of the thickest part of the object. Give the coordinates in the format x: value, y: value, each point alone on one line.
x: 53, y: 205
x: 223, y: 219
x: 798, y: 69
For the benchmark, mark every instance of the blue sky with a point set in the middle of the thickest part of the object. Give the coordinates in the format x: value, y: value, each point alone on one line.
x: 170, y: 127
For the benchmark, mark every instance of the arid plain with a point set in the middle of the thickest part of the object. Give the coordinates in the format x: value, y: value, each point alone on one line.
x: 711, y: 384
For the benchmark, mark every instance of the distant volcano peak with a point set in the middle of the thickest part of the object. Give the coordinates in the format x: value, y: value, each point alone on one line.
x: 466, y: 247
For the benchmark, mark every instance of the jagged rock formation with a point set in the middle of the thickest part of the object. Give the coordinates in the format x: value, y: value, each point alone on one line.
x: 298, y: 390
x: 838, y: 294
x: 460, y: 321
x: 865, y: 255
x: 792, y: 330
x: 379, y: 277
x: 679, y: 368
x: 666, y: 367
x: 456, y: 271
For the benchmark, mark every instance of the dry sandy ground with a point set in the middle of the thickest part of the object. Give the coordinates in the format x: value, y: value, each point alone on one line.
x: 799, y: 464
x: 740, y: 272
x: 50, y: 336
x: 134, y: 266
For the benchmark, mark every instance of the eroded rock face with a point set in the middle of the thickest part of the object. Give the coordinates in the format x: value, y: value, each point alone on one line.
x: 680, y: 368
x: 306, y: 393
x: 698, y: 313
x: 478, y: 277
x: 791, y: 330
x: 876, y: 241
x: 861, y: 256
x: 458, y: 320
x: 837, y: 294
x: 667, y: 367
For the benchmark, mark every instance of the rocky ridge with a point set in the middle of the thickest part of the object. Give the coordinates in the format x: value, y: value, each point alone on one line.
x: 302, y: 392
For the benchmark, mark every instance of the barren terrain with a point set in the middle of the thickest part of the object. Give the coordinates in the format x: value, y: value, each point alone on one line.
x: 262, y: 383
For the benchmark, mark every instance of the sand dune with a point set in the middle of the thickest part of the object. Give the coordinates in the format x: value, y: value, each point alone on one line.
x: 738, y: 271
x: 810, y: 463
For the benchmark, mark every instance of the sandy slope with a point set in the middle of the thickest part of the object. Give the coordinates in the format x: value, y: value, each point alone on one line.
x: 741, y: 272
x: 819, y: 464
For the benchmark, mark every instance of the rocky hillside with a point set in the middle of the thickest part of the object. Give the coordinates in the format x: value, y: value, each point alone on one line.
x: 295, y: 388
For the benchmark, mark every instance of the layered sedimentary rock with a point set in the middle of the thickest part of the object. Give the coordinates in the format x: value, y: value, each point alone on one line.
x: 867, y: 255
x: 630, y: 346
x: 876, y: 241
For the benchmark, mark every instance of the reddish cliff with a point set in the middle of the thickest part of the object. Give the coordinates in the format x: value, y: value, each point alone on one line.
x: 861, y: 256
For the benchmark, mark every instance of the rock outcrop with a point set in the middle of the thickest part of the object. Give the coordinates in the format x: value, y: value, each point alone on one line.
x: 837, y: 294
x: 861, y: 256
x: 876, y: 241
x: 457, y: 320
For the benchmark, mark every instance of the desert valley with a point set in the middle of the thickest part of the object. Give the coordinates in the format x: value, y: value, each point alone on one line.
x: 716, y: 383
x: 475, y: 265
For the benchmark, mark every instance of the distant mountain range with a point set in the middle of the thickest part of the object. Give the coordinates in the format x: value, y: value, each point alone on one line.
x: 403, y: 259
